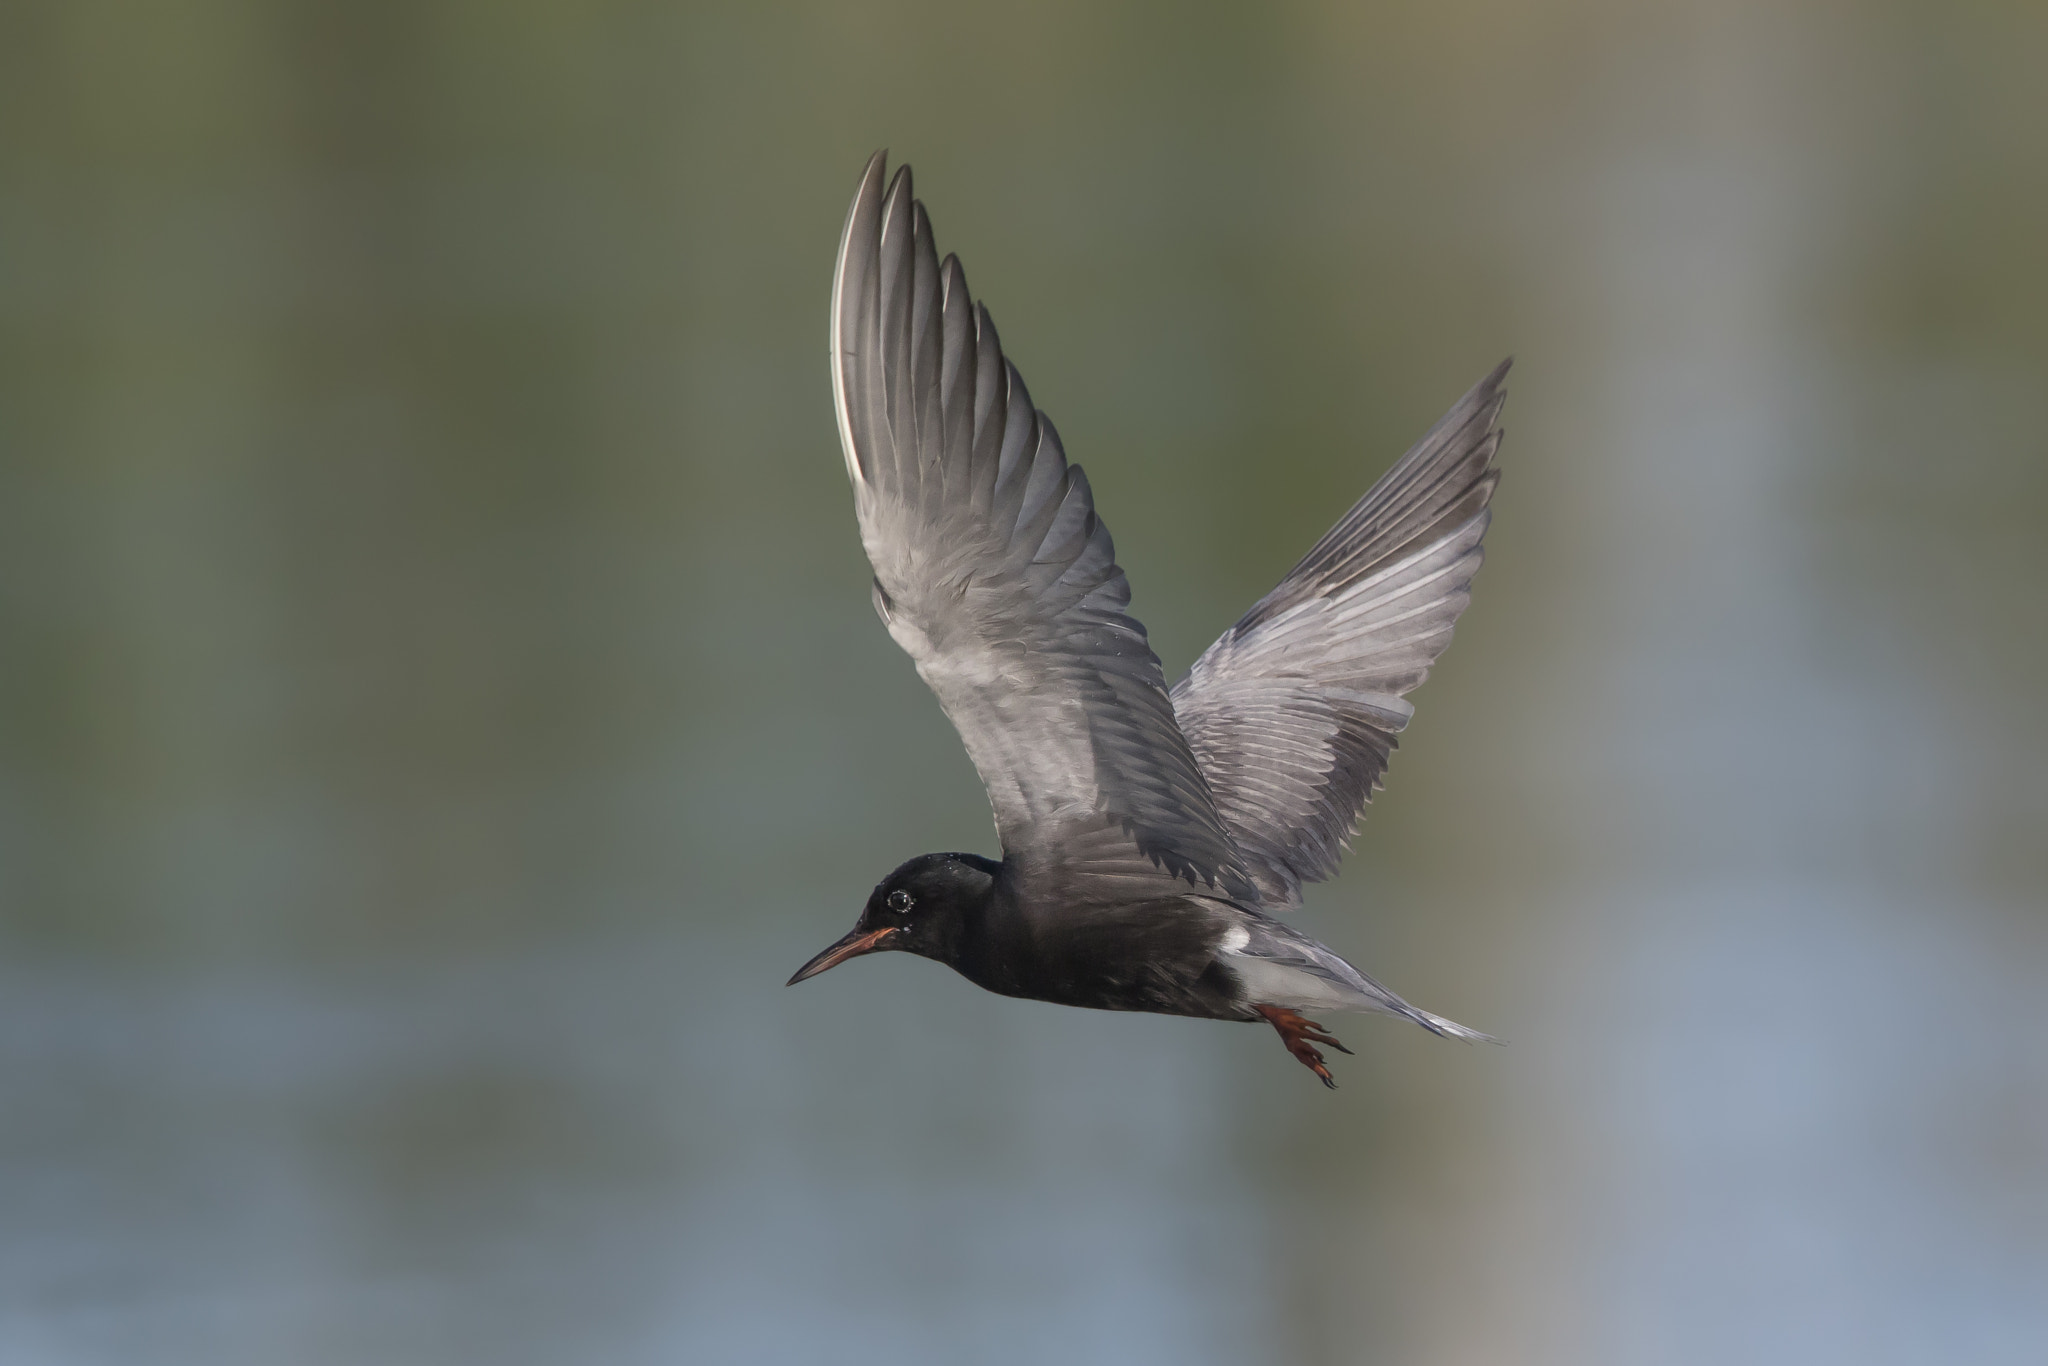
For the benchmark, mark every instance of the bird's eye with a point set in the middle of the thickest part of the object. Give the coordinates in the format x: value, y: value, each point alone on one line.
x: 899, y: 901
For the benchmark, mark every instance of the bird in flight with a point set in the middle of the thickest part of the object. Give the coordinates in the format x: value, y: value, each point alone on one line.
x: 1151, y: 837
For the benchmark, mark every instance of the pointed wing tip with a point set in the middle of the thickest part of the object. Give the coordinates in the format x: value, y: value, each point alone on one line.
x: 857, y: 229
x: 899, y: 184
x: 857, y: 242
x: 1493, y: 385
x: 870, y: 179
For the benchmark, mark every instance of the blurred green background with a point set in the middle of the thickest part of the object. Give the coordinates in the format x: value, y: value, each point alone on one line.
x: 439, y: 701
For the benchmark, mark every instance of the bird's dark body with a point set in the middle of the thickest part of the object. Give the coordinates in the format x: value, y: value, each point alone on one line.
x: 1148, y: 834
x: 1156, y: 955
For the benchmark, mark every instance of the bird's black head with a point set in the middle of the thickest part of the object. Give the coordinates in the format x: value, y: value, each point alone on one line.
x: 923, y: 907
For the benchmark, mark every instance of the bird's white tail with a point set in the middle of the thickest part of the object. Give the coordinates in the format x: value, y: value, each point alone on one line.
x: 1451, y: 1029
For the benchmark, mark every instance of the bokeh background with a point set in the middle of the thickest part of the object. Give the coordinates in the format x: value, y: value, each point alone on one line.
x: 439, y: 701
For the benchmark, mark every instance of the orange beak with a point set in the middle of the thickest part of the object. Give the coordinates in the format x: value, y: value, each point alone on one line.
x: 853, y: 945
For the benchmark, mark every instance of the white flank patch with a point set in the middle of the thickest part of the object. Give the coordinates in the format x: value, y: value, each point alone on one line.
x: 1276, y: 984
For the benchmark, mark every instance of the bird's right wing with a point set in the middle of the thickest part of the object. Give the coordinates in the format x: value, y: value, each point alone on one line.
x: 994, y: 573
x: 1293, y: 711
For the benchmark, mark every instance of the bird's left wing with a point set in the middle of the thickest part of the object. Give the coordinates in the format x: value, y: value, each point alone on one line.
x: 994, y: 573
x: 1293, y: 711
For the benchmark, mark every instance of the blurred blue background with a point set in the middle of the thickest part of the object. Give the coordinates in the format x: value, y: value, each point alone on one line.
x: 439, y: 701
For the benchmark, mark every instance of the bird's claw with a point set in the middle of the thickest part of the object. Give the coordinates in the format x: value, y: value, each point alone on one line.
x: 1301, y: 1037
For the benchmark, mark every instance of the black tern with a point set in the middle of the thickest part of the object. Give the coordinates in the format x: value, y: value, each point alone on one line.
x: 1149, y: 836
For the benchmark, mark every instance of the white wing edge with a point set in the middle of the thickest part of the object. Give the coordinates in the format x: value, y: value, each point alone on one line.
x: 867, y: 180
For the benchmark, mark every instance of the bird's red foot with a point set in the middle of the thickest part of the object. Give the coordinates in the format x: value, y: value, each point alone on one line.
x: 1301, y: 1036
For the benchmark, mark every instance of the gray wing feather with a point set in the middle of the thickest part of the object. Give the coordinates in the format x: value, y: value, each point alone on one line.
x: 994, y: 573
x: 1292, y: 713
